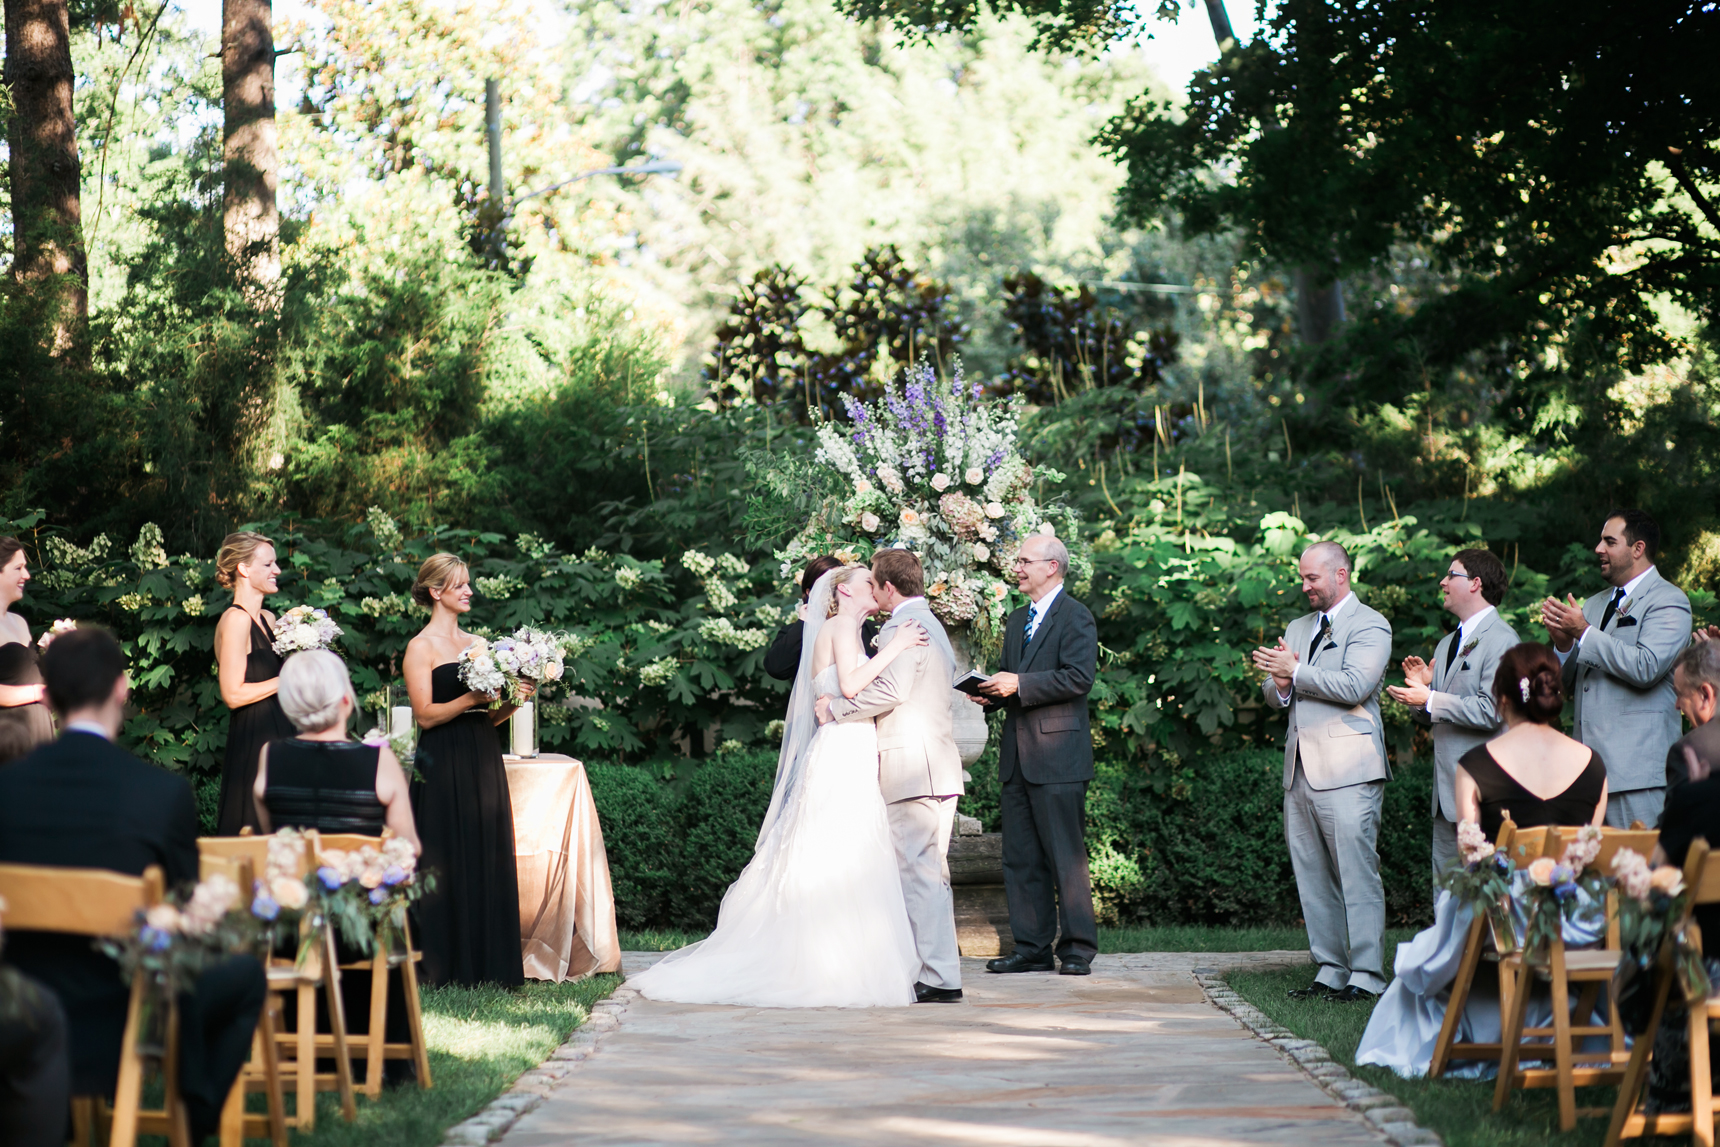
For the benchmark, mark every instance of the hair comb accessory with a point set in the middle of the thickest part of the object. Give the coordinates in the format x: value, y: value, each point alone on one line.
x: 1523, y: 688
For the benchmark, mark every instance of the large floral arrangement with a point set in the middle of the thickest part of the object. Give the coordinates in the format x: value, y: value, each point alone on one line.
x: 361, y: 893
x: 935, y: 467
x: 304, y: 627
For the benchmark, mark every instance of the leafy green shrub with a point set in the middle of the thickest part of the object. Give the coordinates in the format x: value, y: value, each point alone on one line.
x: 721, y: 810
x: 641, y: 832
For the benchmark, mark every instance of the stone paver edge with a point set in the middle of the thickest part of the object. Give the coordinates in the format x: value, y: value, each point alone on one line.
x: 533, y: 1086
x: 1386, y: 1112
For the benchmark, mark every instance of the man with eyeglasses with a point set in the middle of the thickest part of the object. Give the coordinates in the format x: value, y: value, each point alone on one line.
x: 1618, y: 650
x: 1454, y: 695
x: 1050, y: 655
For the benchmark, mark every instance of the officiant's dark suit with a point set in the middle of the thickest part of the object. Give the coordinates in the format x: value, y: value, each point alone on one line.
x: 1045, y: 762
x: 84, y: 802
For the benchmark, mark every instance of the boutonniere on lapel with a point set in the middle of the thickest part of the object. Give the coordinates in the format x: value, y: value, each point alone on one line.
x: 1326, y: 634
x: 1623, y: 616
x: 1469, y: 648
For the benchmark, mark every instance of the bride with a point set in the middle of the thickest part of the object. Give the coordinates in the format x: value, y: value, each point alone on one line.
x: 817, y: 918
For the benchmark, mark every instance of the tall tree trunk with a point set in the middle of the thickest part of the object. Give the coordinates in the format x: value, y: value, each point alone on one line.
x: 1319, y: 300
x: 47, y: 214
x: 252, y: 158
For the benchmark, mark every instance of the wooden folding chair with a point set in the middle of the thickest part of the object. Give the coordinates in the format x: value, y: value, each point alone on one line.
x: 319, y: 971
x: 1481, y: 944
x: 1629, y: 1120
x: 261, y: 1072
x: 1591, y: 971
x: 374, y: 1044
x: 96, y: 902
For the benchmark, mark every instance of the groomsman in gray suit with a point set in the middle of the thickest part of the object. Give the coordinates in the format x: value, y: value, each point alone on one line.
x: 1327, y: 670
x: 1618, y: 649
x: 1454, y: 695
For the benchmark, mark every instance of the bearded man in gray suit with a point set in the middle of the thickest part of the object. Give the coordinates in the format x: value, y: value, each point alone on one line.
x: 1327, y: 671
x: 919, y: 767
x: 1454, y: 695
x: 1618, y: 650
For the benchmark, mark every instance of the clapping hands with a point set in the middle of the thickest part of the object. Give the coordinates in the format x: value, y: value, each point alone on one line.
x: 1279, y: 662
x: 1564, y: 621
x: 1417, y: 678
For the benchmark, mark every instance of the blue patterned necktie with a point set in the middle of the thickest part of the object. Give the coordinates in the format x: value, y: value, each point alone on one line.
x: 1027, y: 632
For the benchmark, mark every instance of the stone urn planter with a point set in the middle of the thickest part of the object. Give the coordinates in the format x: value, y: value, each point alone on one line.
x: 969, y: 718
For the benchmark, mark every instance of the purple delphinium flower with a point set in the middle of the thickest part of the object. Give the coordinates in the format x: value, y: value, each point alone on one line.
x: 155, y: 939
x: 330, y: 878
x: 393, y: 875
x: 264, y: 907
x: 378, y: 895
x: 996, y: 457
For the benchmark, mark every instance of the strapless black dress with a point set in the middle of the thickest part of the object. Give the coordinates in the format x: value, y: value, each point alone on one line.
x: 248, y: 729
x: 469, y: 928
x: 18, y: 667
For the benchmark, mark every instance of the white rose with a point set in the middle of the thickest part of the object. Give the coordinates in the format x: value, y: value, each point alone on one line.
x: 861, y: 486
x: 994, y: 509
x: 1048, y: 530
x: 981, y: 552
x: 974, y: 476
x: 869, y: 522
x: 940, y: 482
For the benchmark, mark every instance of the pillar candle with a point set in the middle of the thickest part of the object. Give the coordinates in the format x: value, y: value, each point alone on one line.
x: 522, y: 732
x: 400, y: 724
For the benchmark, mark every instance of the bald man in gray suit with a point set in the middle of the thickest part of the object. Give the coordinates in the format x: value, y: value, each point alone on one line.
x: 1327, y: 671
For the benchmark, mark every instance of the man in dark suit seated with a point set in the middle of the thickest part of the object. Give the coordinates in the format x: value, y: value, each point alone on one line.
x: 1696, y: 687
x: 84, y: 802
x: 1050, y: 655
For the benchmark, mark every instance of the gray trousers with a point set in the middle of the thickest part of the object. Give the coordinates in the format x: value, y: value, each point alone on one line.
x: 1444, y: 843
x: 1331, y: 836
x: 920, y: 828
x: 1637, y: 804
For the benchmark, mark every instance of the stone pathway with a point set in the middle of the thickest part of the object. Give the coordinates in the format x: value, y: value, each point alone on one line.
x: 1133, y: 1054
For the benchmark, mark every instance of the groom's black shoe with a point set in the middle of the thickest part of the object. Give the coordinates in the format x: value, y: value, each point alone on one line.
x: 1076, y: 966
x: 1314, y: 991
x: 1016, y: 962
x: 1353, y: 995
x: 926, y: 994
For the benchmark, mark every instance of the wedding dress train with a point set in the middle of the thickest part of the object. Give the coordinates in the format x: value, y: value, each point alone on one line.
x: 817, y: 917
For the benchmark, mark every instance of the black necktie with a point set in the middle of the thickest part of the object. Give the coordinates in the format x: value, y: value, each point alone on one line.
x: 1451, y: 653
x: 1319, y: 632
x: 1612, y: 606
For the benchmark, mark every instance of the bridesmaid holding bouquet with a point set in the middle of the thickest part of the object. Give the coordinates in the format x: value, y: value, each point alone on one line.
x: 22, y: 700
x: 469, y: 928
x: 249, y: 671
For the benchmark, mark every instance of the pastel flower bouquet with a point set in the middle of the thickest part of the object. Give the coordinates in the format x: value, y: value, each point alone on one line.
x: 498, y: 668
x: 936, y: 467
x: 304, y: 627
x: 1481, y: 878
x: 64, y: 625
x: 1651, y: 903
x: 1556, y: 890
x: 361, y: 893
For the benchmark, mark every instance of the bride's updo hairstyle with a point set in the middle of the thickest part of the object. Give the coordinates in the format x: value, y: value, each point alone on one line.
x: 439, y: 571
x: 1529, y: 680
x: 850, y: 574
x: 237, y: 550
x: 312, y: 684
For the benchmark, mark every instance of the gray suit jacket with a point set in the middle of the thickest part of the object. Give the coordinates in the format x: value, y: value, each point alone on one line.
x: 1046, y: 730
x: 917, y: 754
x: 1461, y: 710
x: 1335, y: 702
x: 1621, y: 680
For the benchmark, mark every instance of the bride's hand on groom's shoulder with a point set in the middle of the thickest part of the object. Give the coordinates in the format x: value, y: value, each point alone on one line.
x: 908, y: 634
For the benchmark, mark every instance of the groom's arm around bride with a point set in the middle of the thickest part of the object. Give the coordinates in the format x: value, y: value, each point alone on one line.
x: 1050, y: 656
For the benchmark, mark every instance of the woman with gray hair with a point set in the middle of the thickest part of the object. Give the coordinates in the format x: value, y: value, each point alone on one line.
x: 320, y: 779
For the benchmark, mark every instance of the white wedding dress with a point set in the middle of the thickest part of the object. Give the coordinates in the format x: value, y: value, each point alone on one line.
x: 817, y: 917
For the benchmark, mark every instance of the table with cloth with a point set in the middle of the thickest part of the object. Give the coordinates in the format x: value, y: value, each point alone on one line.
x: 567, y: 906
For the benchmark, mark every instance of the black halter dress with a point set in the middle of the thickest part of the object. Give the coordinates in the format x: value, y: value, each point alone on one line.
x: 248, y: 729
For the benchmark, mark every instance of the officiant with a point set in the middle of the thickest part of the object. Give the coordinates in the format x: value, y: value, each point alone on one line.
x: 1050, y: 655
x: 782, y: 659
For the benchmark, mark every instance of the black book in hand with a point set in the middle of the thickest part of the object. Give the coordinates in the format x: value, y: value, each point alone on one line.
x: 970, y: 682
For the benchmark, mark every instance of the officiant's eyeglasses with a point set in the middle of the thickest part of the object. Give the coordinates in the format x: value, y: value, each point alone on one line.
x: 1030, y: 561
x: 1458, y: 573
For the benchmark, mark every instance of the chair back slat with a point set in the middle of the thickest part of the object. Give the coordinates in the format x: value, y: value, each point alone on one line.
x: 1702, y: 874
x: 344, y: 841
x: 1528, y: 844
x: 1639, y: 841
x: 79, y: 901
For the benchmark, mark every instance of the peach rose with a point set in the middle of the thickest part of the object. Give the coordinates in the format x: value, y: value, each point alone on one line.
x: 861, y: 486
x: 1541, y: 871
x: 910, y: 517
x: 289, y: 892
x: 1667, y: 879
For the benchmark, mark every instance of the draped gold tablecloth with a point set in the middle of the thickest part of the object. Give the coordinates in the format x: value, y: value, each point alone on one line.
x: 567, y: 906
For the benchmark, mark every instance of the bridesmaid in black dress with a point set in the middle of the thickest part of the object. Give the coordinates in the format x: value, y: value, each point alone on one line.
x: 249, y: 671
x: 22, y: 702
x: 469, y: 928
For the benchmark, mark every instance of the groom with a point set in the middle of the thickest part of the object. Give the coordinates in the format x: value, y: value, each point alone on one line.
x: 919, y: 767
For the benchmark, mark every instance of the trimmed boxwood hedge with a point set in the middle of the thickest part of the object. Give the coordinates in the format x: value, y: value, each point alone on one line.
x: 1212, y: 852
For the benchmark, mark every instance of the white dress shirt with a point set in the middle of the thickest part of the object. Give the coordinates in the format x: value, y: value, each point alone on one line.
x: 1037, y: 611
x: 1630, y: 588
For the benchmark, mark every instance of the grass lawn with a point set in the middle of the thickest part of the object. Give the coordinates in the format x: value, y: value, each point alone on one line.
x: 481, y: 1040
x: 1460, y: 1111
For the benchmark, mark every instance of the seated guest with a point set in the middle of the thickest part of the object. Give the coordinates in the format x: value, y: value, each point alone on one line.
x: 16, y: 741
x: 1696, y: 686
x: 1540, y: 777
x: 83, y: 802
x: 35, y: 1074
x: 320, y: 779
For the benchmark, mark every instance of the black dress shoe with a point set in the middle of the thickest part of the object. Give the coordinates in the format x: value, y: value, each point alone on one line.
x: 1075, y: 966
x: 926, y: 994
x: 1353, y: 995
x: 1016, y: 962
x: 1314, y: 991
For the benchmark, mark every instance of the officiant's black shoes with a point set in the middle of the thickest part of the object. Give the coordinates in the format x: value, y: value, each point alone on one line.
x: 1075, y: 966
x: 1016, y: 962
x: 926, y: 994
